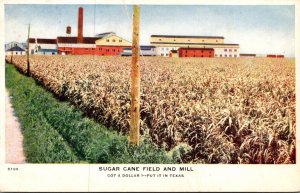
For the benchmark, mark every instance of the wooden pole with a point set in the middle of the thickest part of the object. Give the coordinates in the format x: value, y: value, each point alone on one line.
x: 11, y: 57
x: 28, y: 64
x: 134, y: 135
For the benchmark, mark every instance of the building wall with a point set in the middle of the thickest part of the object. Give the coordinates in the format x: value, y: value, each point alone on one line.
x: 76, y: 51
x: 33, y: 47
x: 187, y: 40
x: 183, y: 52
x: 99, y: 50
x: 164, y: 50
x: 150, y: 52
x: 143, y: 52
x: 110, y: 50
x: 46, y: 53
x: 113, y: 40
x: 231, y: 52
x: 15, y: 53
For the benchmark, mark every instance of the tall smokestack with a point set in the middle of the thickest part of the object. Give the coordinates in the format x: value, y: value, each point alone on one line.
x: 80, y: 25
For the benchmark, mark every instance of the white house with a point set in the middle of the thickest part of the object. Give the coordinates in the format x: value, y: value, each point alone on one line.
x: 16, y: 50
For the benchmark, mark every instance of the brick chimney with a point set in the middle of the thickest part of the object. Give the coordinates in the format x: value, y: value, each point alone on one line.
x: 80, y: 25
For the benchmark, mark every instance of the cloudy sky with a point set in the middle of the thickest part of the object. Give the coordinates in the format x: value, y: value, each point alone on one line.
x: 259, y: 29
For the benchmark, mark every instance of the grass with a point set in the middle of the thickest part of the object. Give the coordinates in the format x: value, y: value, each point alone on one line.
x: 56, y: 132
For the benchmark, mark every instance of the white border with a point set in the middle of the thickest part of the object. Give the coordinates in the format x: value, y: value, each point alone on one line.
x: 86, y: 177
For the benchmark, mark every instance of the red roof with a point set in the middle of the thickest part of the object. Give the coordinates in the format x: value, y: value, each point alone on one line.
x: 42, y: 41
x: 73, y: 40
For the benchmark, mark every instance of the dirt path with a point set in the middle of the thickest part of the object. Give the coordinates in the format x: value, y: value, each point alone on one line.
x: 13, y: 136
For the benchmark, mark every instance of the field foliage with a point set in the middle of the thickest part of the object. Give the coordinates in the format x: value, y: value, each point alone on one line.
x: 222, y: 110
x: 56, y: 132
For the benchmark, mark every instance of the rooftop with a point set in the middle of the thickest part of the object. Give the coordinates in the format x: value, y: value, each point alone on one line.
x: 182, y: 36
x: 188, y: 43
x: 101, y: 35
x: 16, y: 48
x: 42, y: 41
x: 195, y: 49
x: 73, y: 40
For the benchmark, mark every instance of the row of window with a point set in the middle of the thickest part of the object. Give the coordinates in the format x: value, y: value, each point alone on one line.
x: 100, y: 49
x: 225, y: 55
x: 185, y: 55
x: 113, y: 40
x: 167, y: 49
x: 230, y: 50
x: 201, y: 51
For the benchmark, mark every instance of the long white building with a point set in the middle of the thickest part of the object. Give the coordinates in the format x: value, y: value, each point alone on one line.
x: 165, y: 43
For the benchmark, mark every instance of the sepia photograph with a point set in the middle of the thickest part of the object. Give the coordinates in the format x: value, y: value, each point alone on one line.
x: 139, y: 90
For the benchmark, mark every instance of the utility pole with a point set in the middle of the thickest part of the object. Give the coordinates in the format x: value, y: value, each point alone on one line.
x: 28, y: 64
x: 12, y: 53
x: 134, y: 135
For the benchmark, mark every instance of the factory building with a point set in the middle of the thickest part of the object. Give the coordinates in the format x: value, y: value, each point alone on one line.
x: 196, y: 52
x: 37, y: 44
x: 105, y: 44
x: 111, y: 45
x: 77, y: 45
x: 69, y: 45
x: 165, y: 43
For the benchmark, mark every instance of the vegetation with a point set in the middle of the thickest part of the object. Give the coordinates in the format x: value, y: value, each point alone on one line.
x: 56, y: 132
x: 224, y: 110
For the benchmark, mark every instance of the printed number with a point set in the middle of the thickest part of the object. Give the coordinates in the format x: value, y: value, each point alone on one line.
x: 13, y: 169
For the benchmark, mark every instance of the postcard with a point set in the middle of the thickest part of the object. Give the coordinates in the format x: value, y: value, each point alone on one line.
x: 121, y: 96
